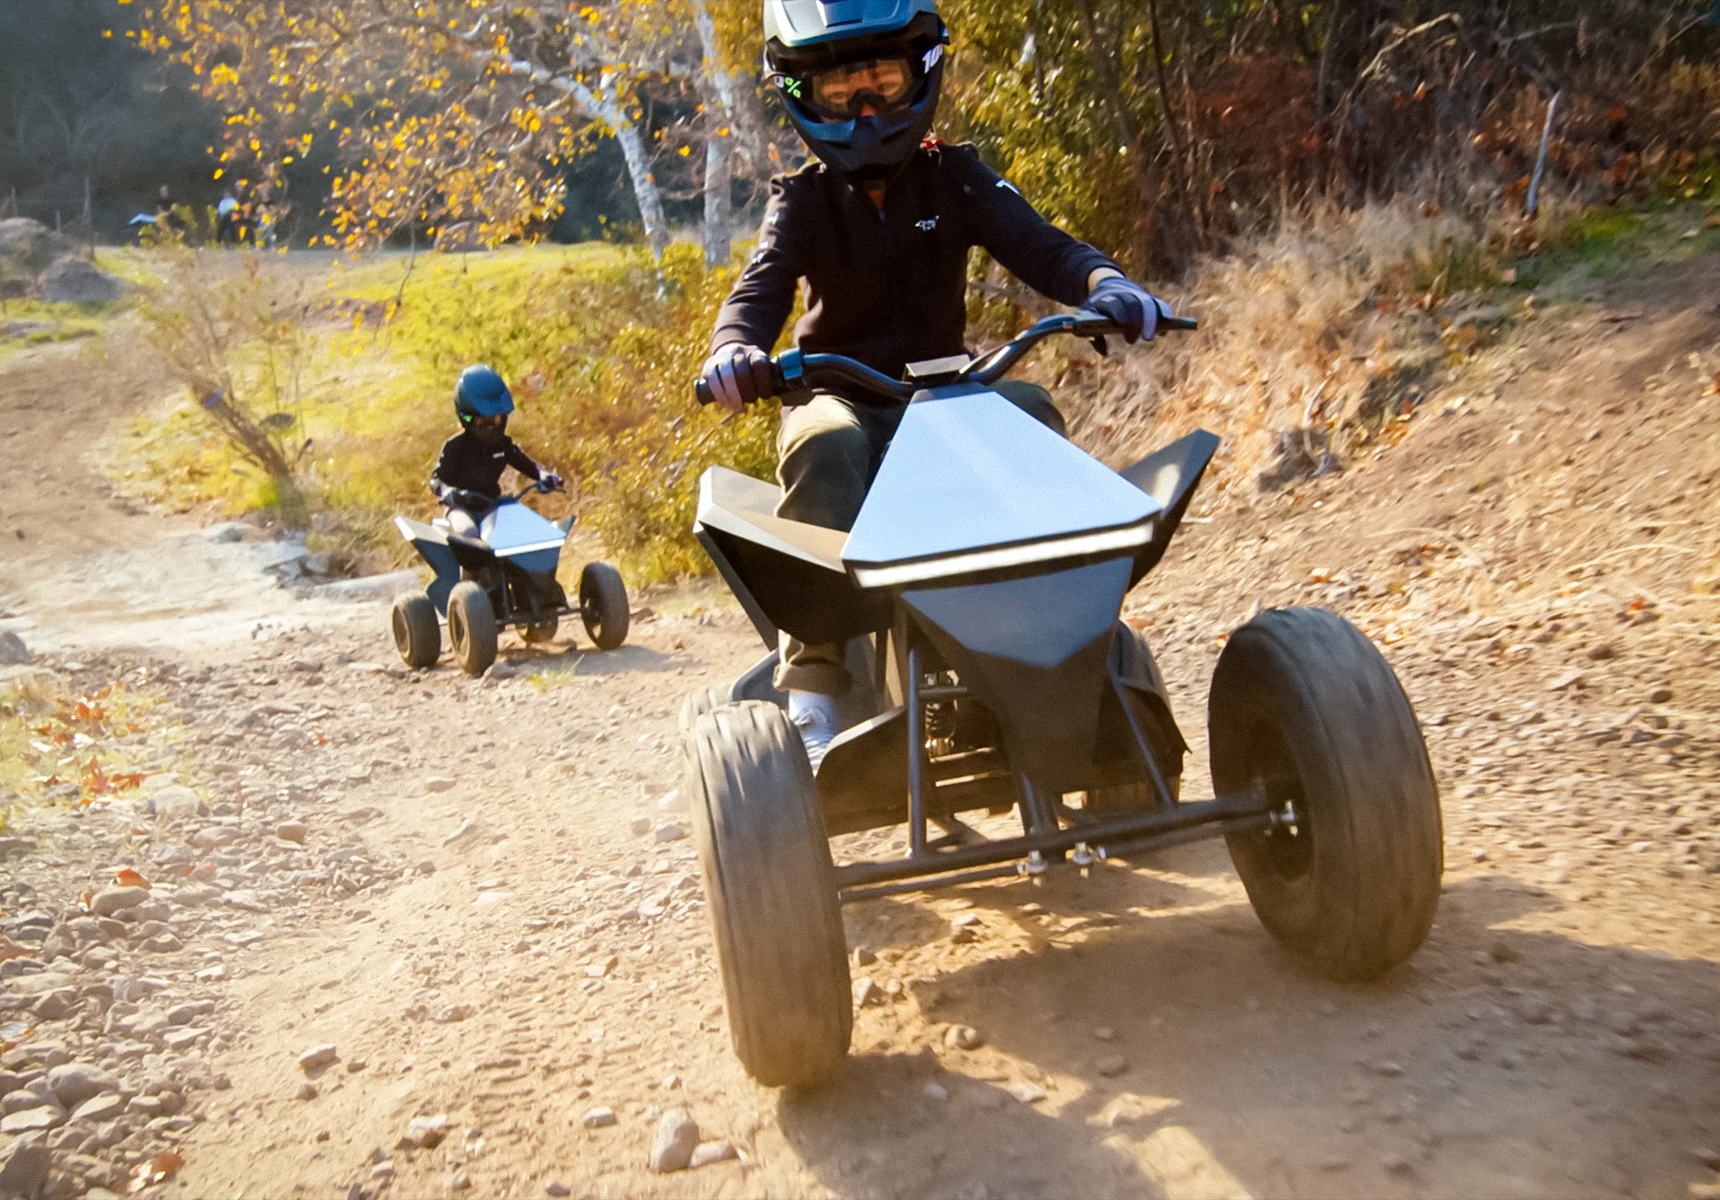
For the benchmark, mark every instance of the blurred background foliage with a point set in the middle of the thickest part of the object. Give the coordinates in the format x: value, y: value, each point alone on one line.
x: 1319, y: 181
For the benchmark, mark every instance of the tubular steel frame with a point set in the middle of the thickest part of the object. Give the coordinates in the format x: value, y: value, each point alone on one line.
x: 963, y: 855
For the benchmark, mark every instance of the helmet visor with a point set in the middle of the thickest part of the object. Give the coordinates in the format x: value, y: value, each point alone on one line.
x: 842, y: 92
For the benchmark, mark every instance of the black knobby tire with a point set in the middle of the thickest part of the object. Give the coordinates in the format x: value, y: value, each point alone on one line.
x: 603, y: 605
x: 543, y: 631
x: 1302, y: 702
x: 416, y: 634
x: 696, y: 705
x: 772, y: 894
x: 471, y: 627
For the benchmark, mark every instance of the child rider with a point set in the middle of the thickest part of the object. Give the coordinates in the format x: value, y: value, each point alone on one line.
x: 468, y: 475
x: 877, y: 233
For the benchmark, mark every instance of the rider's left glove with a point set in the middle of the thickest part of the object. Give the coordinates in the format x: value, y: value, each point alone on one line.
x: 1134, y: 309
x: 550, y: 481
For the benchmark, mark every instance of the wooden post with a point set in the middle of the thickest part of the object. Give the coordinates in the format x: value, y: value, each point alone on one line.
x: 1534, y: 201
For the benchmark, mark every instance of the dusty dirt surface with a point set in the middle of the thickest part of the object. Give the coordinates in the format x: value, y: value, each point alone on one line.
x: 479, y: 894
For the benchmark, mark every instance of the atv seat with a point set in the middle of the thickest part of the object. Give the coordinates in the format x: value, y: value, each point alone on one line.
x: 787, y: 575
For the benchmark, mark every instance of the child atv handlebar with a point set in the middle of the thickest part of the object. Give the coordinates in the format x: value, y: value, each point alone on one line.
x: 791, y: 370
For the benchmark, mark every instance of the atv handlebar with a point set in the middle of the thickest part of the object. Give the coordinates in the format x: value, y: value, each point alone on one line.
x: 791, y: 370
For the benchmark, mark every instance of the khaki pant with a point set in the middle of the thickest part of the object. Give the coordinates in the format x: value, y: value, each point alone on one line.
x: 828, y: 453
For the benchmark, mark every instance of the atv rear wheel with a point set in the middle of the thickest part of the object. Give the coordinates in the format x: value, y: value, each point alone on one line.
x: 1304, y: 705
x: 772, y: 894
x: 543, y: 631
x: 603, y: 605
x: 472, y: 627
x: 417, y: 635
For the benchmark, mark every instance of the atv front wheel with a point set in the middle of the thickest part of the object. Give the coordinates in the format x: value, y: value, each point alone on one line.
x: 416, y: 634
x: 603, y: 605
x: 1303, y: 705
x: 472, y: 627
x: 772, y: 894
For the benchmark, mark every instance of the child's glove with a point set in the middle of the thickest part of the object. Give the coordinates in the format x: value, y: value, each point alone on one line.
x: 1134, y: 309
x: 549, y: 481
x: 461, y: 498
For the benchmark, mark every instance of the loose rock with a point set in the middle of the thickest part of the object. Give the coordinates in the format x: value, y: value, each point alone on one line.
x: 318, y: 1057
x: 963, y: 1037
x: 598, y: 1118
x: 711, y: 1152
x: 109, y: 901
x: 1111, y: 1064
x: 673, y: 1143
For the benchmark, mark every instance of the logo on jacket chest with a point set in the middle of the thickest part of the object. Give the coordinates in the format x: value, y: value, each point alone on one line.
x: 926, y: 226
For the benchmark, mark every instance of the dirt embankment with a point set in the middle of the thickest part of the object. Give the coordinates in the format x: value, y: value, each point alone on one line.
x: 475, y: 891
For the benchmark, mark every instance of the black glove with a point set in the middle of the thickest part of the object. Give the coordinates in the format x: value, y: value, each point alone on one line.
x: 549, y: 481
x: 737, y: 374
x: 1134, y: 309
x: 461, y: 498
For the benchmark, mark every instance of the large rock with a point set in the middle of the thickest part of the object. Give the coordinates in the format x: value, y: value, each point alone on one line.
x: 26, y: 1167
x: 111, y: 900
x: 75, y: 1082
x: 27, y: 247
x: 71, y: 280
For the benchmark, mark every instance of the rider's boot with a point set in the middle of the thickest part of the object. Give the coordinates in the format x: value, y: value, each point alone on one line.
x: 814, y: 715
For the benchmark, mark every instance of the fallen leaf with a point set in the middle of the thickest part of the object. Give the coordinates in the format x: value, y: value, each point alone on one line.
x: 126, y: 877
x: 156, y: 1169
x: 11, y: 949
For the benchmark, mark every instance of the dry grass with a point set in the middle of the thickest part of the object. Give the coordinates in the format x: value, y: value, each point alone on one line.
x: 1324, y: 334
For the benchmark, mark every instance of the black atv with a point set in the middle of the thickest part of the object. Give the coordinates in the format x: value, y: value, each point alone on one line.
x: 979, y: 593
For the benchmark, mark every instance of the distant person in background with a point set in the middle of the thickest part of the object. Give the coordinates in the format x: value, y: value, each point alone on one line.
x: 164, y: 218
x: 227, y: 219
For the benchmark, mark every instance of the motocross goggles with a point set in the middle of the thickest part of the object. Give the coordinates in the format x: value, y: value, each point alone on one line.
x: 839, y: 93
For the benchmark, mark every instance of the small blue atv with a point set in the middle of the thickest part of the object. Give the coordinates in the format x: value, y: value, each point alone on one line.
x: 503, y: 577
x: 979, y: 594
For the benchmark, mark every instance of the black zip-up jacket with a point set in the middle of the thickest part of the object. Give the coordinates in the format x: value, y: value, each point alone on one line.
x: 890, y: 287
x: 467, y: 464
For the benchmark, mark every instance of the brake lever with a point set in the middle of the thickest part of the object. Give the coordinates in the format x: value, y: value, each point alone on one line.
x: 1098, y: 344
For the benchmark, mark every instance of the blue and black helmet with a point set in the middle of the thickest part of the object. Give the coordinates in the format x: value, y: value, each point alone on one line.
x: 481, y: 393
x: 860, y: 78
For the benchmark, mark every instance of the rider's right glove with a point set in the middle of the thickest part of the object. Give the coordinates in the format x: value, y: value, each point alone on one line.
x: 461, y: 498
x: 1134, y: 309
x: 737, y: 374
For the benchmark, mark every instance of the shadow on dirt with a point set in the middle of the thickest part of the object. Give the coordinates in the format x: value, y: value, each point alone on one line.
x: 1246, y: 1071
x: 586, y: 660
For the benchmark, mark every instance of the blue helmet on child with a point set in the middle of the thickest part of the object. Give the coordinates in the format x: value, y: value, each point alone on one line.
x: 860, y: 78
x: 481, y: 393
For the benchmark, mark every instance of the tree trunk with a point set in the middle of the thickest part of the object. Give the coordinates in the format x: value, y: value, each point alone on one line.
x: 716, y: 200
x: 645, y: 189
x: 718, y: 92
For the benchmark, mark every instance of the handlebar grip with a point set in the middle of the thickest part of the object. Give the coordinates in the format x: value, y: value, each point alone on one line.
x: 778, y: 385
x: 1188, y: 323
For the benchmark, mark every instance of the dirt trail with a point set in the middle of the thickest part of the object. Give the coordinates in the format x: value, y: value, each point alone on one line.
x: 491, y: 919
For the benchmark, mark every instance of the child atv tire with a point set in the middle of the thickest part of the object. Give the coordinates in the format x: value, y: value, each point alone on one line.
x: 416, y: 634
x: 603, y: 605
x: 772, y: 893
x: 472, y: 627
x: 1304, y: 705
